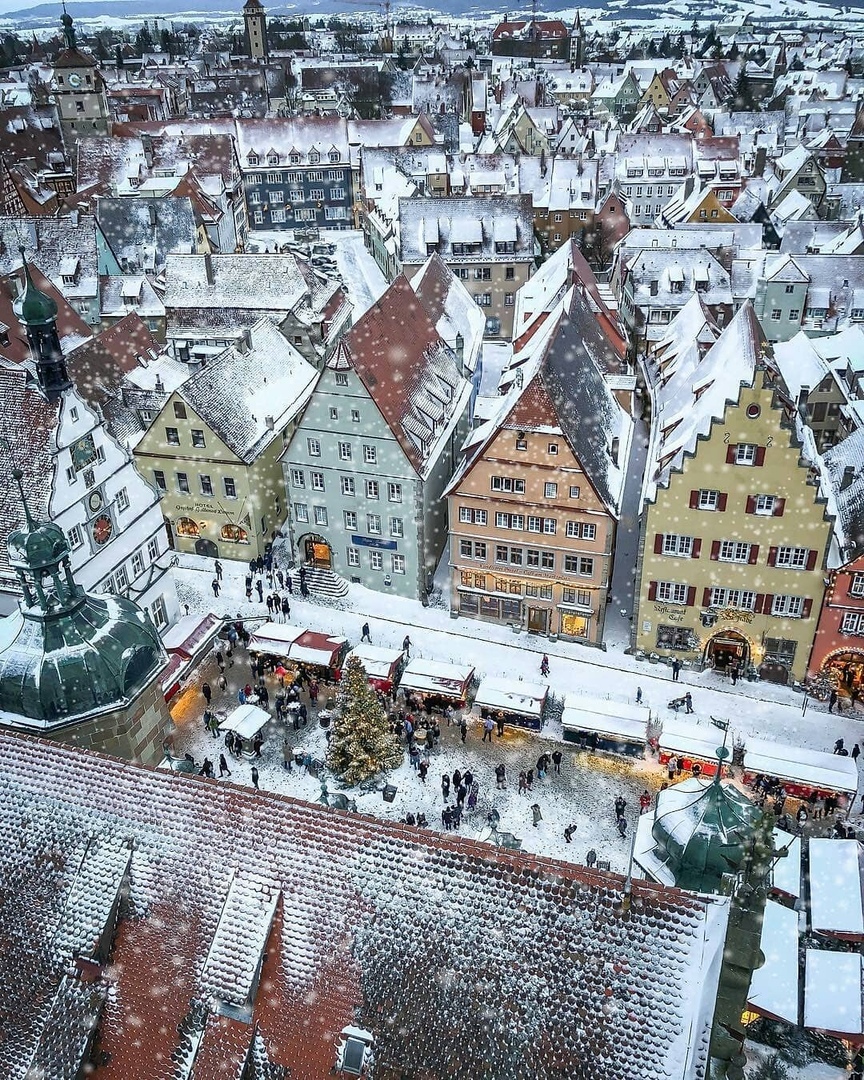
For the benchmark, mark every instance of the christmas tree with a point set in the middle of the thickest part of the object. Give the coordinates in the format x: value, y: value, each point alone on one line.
x: 362, y: 743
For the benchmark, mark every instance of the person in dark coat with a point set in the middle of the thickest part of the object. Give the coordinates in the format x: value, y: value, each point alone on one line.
x: 214, y: 585
x: 676, y: 669
x: 445, y: 786
x: 257, y: 743
x: 255, y: 778
x: 406, y: 646
x: 223, y: 767
x: 468, y: 779
x: 220, y: 660
x: 259, y: 564
x: 499, y: 720
x: 620, y: 807
x: 259, y: 588
x: 832, y: 700
x: 286, y: 608
x: 500, y: 773
x: 688, y: 702
x: 248, y: 586
x: 207, y: 692
x: 422, y: 769
x: 269, y: 604
x: 856, y: 752
x: 304, y: 588
x: 463, y: 728
x: 568, y: 833
x: 430, y: 738
x: 457, y: 779
x: 207, y: 768
x: 364, y: 634
x: 217, y: 566
x: 591, y: 858
x: 536, y: 816
x: 529, y: 779
x: 556, y: 761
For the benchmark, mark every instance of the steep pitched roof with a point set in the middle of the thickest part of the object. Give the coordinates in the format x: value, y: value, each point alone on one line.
x: 375, y: 925
x: 406, y: 368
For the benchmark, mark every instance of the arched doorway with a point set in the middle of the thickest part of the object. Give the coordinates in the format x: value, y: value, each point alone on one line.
x: 726, y: 649
x: 316, y: 551
x: 206, y: 548
x: 846, y: 669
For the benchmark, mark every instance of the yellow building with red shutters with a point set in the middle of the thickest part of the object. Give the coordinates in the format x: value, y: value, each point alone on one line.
x: 735, y: 533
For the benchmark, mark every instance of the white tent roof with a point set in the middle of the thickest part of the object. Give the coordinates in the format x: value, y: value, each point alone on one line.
x: 835, y: 887
x: 584, y: 720
x: 512, y: 695
x: 683, y: 738
x: 274, y: 637
x: 828, y: 772
x: 832, y: 992
x: 774, y: 986
x: 623, y: 710
x: 246, y: 721
x: 786, y: 871
x: 432, y: 677
x: 377, y: 662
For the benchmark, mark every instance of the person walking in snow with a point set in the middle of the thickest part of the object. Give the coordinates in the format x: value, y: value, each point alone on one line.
x: 220, y: 659
x: 542, y: 766
x: 217, y: 566
x: 255, y: 778
x: 223, y: 767
x: 620, y: 807
x: 259, y: 588
x: 544, y: 666
x: 556, y: 761
x: 445, y: 787
x: 676, y: 669
x: 304, y: 588
x: 364, y: 634
x: 688, y: 702
x: 536, y: 816
x: 422, y: 769
x: 207, y: 692
x: 591, y: 858
x: 460, y: 795
x: 222, y: 683
x: 269, y: 604
x: 500, y: 773
x: 214, y: 585
x: 457, y: 779
x: 644, y: 802
x: 672, y: 767
x: 499, y: 720
x: 286, y: 609
x: 638, y: 695
x: 523, y: 783
x: 473, y: 795
x: 856, y: 752
x: 487, y: 729
x: 406, y: 646
x: 568, y: 833
x: 463, y: 729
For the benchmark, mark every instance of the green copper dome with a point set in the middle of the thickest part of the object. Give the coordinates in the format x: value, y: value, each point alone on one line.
x: 702, y: 830
x: 34, y: 308
x: 65, y: 654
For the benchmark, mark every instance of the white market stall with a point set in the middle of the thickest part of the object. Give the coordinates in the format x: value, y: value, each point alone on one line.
x: 801, y: 771
x: 434, y: 682
x: 832, y: 993
x: 246, y: 721
x: 786, y: 870
x: 383, y: 667
x: 305, y: 648
x: 690, y: 744
x: 274, y: 638
x: 599, y: 724
x: 518, y: 702
x: 836, y: 908
x: 774, y: 986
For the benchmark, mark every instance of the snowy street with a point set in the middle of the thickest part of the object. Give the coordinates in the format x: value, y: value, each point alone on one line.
x: 584, y: 793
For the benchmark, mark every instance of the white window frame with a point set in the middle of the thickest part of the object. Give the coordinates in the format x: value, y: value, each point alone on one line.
x: 709, y: 499
x: 681, y: 546
x: 344, y: 450
x: 397, y: 563
x: 350, y: 519
x: 301, y: 512
x: 317, y: 481
x: 787, y: 607
x: 347, y: 483
x: 745, y: 453
x: 856, y: 586
x: 320, y: 513
x: 764, y: 505
x: 397, y: 528
x: 550, y: 490
x: 370, y: 455
x: 373, y: 524
x: 376, y: 560
x: 672, y: 592
x: 298, y: 478
x: 734, y: 551
x: 353, y: 556
x: 791, y: 558
x: 394, y: 493
x: 122, y: 500
x: 313, y: 446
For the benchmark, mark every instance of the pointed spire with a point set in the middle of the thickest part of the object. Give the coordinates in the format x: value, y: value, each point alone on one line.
x: 18, y: 477
x: 68, y: 27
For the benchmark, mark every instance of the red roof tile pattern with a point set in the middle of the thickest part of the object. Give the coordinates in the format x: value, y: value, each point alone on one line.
x: 462, y: 960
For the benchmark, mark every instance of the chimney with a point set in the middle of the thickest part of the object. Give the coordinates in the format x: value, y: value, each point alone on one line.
x: 208, y: 269
x: 246, y: 340
x: 848, y: 477
x: 803, y: 397
x: 269, y: 422
x: 151, y: 213
x: 614, y: 451
x: 147, y: 146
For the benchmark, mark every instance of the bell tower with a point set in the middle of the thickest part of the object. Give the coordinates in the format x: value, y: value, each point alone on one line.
x: 256, y: 29
x: 38, y: 314
x: 79, y: 91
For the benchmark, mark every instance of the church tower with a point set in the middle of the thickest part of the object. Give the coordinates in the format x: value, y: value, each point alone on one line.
x: 577, y: 42
x: 256, y: 29
x: 79, y: 90
x: 38, y: 313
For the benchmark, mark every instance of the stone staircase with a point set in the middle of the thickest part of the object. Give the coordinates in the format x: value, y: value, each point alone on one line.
x: 320, y: 582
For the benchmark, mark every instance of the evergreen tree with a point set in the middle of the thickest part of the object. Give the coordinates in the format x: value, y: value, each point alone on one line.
x: 362, y: 743
x: 742, y: 93
x: 680, y: 47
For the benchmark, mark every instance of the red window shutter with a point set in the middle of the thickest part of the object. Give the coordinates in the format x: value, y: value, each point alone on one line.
x: 731, y: 451
x: 658, y: 543
x: 652, y: 590
x: 715, y: 550
x: 751, y: 504
x: 706, y: 597
x: 779, y: 507
x: 808, y: 607
x: 769, y: 603
x: 721, y: 500
x: 772, y: 556
x: 691, y: 596
x: 759, y: 606
x: 694, y: 500
x: 760, y: 455
x: 811, y: 559
x: 697, y: 548
x: 754, y: 554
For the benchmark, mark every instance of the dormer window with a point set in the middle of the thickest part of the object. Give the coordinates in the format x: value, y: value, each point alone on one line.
x: 294, y: 159
x: 253, y: 159
x: 334, y: 157
x: 314, y: 157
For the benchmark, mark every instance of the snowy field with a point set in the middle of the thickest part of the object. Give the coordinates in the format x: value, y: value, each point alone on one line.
x: 584, y: 793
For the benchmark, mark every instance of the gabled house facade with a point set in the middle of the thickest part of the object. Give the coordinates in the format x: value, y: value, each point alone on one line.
x: 534, y: 506
x: 735, y: 533
x: 367, y: 467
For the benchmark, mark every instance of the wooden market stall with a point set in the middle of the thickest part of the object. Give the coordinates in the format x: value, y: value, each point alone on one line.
x: 383, y: 667
x: 802, y: 772
x: 690, y: 744
x: 611, y: 727
x: 516, y: 701
x: 433, y: 683
x: 322, y: 654
x: 245, y: 721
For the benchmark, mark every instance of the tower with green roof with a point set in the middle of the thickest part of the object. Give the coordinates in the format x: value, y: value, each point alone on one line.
x: 38, y: 313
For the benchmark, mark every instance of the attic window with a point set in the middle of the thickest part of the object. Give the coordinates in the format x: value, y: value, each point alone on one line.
x: 273, y: 159
x: 314, y: 157
x: 253, y: 159
x: 334, y: 156
x: 294, y: 159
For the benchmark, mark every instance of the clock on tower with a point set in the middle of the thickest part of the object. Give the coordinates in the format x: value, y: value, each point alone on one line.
x: 79, y: 91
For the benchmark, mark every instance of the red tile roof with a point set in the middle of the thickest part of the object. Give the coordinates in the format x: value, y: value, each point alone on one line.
x: 460, y: 958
